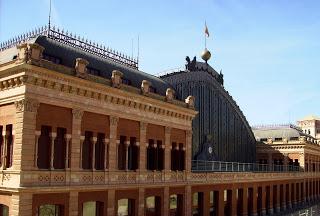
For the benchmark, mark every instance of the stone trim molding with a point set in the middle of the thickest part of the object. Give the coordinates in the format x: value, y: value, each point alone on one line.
x: 61, y: 83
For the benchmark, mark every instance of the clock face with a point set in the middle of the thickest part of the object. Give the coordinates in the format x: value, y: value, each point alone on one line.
x: 210, y: 150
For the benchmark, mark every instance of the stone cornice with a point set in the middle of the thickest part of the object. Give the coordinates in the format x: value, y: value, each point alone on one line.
x: 36, y: 76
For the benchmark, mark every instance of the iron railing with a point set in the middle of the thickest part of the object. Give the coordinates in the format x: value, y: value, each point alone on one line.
x: 74, y: 41
x: 221, y: 166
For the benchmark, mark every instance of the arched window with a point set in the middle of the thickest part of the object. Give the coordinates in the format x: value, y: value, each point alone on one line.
x: 44, y: 148
x: 100, y: 152
x: 9, y: 141
x: 122, y: 153
x: 92, y: 208
x: 60, y: 147
x: 4, y: 210
x: 87, y: 150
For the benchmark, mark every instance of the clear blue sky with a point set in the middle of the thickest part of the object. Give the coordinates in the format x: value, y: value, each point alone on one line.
x: 268, y: 50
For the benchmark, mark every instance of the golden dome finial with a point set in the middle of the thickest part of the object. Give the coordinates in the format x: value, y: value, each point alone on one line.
x: 206, y: 55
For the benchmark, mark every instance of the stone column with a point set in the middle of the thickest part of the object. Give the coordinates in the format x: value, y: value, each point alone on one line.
x: 166, y: 199
x: 284, y: 203
x: 289, y: 205
x: 75, y: 158
x: 271, y: 200
x: 293, y: 192
x: 53, y: 137
x: 94, y: 141
x: 67, y: 159
x: 37, y: 134
x: 73, y: 203
x: 278, y: 198
x: 4, y: 145
x: 206, y: 202
x: 220, y: 203
x: 234, y: 202
x: 112, y: 159
x: 143, y: 147
x: 24, y: 129
x: 245, y: 201
x: 188, y: 151
x: 263, y: 197
x: 111, y: 202
x: 254, y: 201
x: 187, y: 201
x: 141, y: 201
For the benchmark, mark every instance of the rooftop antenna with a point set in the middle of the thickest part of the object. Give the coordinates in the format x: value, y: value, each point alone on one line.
x: 49, y: 21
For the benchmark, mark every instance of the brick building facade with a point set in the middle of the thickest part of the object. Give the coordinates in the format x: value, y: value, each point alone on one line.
x: 80, y: 140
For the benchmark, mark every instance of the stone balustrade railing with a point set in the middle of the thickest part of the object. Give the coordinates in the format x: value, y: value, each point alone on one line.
x: 13, y: 179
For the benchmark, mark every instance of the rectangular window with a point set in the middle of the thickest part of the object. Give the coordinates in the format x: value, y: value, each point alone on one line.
x: 9, y: 142
x: 87, y: 150
x: 122, y: 153
x: 44, y: 148
x: 100, y: 152
x: 1, y: 144
x: 60, y: 147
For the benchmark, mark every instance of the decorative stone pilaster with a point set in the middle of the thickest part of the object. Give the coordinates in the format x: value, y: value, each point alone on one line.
x: 111, y: 202
x: 188, y: 152
x: 167, y: 143
x: 263, y: 197
x: 145, y: 87
x: 166, y: 201
x: 143, y: 141
x: 73, y: 203
x: 24, y: 134
x: 116, y: 78
x: 81, y: 68
x: 190, y: 101
x: 169, y: 95
x: 141, y: 201
x: 112, y: 159
x: 188, y: 201
x: 76, y: 141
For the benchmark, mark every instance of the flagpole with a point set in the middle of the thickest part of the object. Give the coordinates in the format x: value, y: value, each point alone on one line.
x: 205, y: 36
